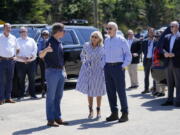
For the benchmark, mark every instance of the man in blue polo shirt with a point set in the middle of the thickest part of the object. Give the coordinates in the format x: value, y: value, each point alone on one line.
x: 54, y: 62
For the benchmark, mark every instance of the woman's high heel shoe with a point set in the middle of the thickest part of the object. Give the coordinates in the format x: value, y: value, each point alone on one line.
x: 98, y: 112
x: 90, y: 116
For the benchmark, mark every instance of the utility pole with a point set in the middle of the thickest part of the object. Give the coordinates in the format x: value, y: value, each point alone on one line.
x: 96, y: 13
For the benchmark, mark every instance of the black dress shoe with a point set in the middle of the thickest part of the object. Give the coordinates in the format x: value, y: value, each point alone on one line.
x: 34, y: 97
x: 124, y: 117
x: 129, y: 88
x: 167, y: 103
x: 145, y: 91
x: 160, y: 94
x: 177, y: 104
x: 135, y: 86
x: 113, y: 117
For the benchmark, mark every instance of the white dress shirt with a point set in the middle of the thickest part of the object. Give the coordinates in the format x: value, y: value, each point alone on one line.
x: 28, y: 47
x: 130, y: 41
x: 8, y: 46
x: 117, y: 50
x: 173, y: 38
x: 150, y: 48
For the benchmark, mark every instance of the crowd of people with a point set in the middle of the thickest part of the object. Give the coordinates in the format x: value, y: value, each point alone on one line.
x: 102, y: 71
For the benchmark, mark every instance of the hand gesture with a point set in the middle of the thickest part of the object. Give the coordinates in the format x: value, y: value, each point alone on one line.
x: 171, y: 55
x: 135, y: 54
x: 49, y: 49
x: 166, y: 55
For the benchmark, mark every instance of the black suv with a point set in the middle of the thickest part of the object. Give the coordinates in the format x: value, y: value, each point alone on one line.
x: 74, y: 39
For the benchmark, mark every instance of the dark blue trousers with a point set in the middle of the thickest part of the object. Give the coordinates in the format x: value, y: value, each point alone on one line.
x: 6, y: 78
x: 115, y: 83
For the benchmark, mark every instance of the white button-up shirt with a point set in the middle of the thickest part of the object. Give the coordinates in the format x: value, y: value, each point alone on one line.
x: 173, y: 38
x: 117, y: 50
x: 28, y: 47
x: 150, y: 48
x: 8, y: 46
x: 130, y: 41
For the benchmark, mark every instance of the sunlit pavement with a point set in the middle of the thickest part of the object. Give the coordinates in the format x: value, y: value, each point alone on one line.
x: 146, y: 116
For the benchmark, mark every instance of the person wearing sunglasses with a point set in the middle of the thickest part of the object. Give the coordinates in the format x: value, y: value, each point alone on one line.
x: 91, y: 79
x: 26, y: 63
x: 41, y: 45
x: 171, y: 49
x: 117, y: 58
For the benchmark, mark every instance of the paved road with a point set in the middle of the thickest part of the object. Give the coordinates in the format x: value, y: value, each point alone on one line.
x: 146, y: 116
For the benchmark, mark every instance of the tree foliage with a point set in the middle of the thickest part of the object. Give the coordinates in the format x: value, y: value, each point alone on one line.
x: 127, y: 13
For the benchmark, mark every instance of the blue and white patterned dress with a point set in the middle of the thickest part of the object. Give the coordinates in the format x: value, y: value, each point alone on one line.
x: 91, y: 80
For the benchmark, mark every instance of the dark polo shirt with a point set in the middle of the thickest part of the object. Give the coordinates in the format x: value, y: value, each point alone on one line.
x: 54, y: 59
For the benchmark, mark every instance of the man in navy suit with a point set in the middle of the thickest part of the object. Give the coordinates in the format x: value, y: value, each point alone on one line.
x: 147, y: 49
x: 171, y: 49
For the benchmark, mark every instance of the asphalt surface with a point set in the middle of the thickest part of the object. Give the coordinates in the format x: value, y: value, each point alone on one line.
x: 146, y: 116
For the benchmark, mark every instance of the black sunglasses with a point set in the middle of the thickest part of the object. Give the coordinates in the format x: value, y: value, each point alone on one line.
x: 109, y: 28
x: 94, y: 37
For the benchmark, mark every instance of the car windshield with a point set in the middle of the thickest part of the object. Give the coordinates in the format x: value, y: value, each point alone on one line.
x: 84, y: 33
x: 69, y: 38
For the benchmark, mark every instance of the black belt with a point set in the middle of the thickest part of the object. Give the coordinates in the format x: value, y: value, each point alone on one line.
x: 114, y: 64
x: 56, y: 67
x: 4, y: 58
x: 148, y: 58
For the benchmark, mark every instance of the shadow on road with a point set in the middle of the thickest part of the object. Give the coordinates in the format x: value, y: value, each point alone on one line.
x: 102, y: 124
x: 155, y: 105
x: 90, y: 123
x: 30, y: 131
x: 143, y: 96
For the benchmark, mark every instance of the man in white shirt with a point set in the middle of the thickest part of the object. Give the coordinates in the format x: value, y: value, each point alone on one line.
x: 117, y: 57
x: 26, y: 62
x: 135, y: 48
x: 8, y: 50
x: 147, y: 49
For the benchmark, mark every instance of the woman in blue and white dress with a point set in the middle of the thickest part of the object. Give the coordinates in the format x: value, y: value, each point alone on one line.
x: 91, y: 79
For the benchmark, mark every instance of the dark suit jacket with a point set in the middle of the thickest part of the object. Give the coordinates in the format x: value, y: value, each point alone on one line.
x: 135, y: 48
x: 175, y: 50
x: 145, y: 48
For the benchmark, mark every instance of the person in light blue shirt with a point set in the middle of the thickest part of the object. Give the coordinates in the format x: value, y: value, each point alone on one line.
x: 117, y: 57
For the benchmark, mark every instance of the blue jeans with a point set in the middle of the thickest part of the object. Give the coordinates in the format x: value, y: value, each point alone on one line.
x: 115, y: 83
x: 55, y: 86
x: 6, y: 78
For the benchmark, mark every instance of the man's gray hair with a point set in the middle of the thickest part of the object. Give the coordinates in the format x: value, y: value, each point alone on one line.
x: 113, y: 24
x: 175, y: 23
x: 23, y: 29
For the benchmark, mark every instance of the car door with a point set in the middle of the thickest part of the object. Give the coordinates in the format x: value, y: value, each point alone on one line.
x: 72, y: 50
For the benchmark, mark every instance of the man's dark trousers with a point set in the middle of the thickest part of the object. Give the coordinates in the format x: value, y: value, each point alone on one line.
x: 22, y: 70
x: 147, y: 69
x: 6, y: 78
x: 115, y: 82
x: 173, y: 80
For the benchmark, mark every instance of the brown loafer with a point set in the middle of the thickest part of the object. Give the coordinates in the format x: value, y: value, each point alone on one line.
x: 9, y: 101
x: 1, y: 102
x: 61, y: 122
x: 52, y: 124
